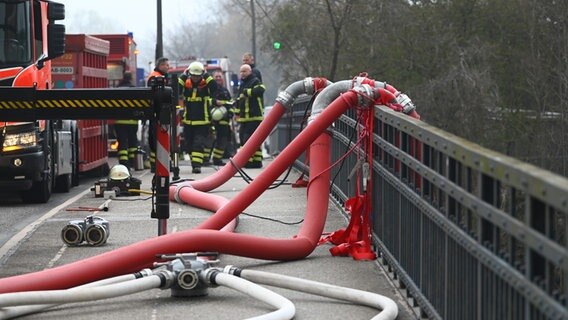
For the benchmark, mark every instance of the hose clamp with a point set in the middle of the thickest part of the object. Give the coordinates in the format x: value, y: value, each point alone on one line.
x: 309, y: 85
x: 167, y: 278
x: 178, y: 188
x: 358, y: 81
x: 208, y: 275
x: 145, y: 272
x: 365, y: 96
x: 285, y: 99
x: 406, y: 103
x: 232, y: 270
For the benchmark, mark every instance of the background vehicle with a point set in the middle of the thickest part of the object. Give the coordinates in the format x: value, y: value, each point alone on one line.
x: 36, y: 157
x: 84, y: 65
x: 122, y: 57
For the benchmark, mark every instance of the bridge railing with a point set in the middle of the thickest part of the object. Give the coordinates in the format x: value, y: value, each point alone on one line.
x: 468, y: 233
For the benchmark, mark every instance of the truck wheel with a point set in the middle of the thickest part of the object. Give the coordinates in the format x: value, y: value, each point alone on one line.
x: 41, y: 190
x: 63, y: 183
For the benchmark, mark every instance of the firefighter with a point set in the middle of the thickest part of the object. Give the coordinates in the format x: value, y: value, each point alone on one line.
x: 126, y: 131
x: 250, y: 110
x: 161, y: 70
x: 197, y: 89
x: 222, y: 109
x: 248, y: 58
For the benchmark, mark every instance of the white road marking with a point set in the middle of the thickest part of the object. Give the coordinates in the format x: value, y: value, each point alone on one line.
x: 58, y: 256
x: 12, y: 244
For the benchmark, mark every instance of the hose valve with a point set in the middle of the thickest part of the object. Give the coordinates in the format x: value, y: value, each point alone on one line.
x: 186, y: 270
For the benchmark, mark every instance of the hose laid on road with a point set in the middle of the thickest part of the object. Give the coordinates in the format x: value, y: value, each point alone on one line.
x: 206, y: 237
x: 244, y: 281
x: 373, y: 300
x: 80, y: 294
x: 285, y: 308
x: 13, y: 312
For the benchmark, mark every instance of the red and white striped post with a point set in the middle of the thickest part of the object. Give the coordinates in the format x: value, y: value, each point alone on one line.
x: 163, y: 108
x: 175, y: 130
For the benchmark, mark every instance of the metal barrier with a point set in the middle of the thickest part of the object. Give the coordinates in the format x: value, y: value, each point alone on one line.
x: 467, y: 232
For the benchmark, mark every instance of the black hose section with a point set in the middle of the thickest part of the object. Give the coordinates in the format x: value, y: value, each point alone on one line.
x: 347, y: 149
x: 138, y: 275
x: 248, y: 179
x: 163, y: 279
x: 304, y: 118
x: 213, y: 276
x: 180, y: 181
x: 273, y: 220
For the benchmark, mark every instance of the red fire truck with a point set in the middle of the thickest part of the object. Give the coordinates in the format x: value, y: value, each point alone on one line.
x: 37, y: 156
x: 122, y: 58
x: 84, y: 65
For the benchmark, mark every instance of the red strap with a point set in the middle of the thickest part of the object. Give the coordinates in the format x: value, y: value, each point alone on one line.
x: 354, y: 241
x: 351, y: 241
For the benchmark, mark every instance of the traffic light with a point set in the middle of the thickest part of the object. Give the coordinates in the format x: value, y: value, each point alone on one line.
x: 276, y: 45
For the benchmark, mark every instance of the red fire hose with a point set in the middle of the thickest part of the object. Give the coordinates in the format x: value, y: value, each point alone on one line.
x: 142, y: 254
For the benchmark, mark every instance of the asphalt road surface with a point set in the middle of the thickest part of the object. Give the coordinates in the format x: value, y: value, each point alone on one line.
x: 16, y: 215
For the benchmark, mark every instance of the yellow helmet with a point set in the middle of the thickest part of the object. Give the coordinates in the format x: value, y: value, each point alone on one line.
x: 196, y: 68
x: 119, y: 172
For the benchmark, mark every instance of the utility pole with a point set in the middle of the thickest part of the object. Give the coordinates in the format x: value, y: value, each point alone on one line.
x: 253, y: 28
x: 159, y: 44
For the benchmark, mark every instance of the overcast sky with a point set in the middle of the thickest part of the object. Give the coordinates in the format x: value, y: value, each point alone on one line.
x: 137, y: 16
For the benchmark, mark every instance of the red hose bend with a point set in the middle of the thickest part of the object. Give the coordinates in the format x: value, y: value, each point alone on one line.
x: 283, y: 102
x: 142, y: 254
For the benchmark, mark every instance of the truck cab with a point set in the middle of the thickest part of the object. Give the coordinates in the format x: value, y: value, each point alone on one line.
x: 35, y: 156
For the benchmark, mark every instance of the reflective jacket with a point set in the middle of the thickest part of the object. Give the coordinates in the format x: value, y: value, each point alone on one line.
x: 156, y: 73
x: 197, y: 98
x: 133, y: 122
x: 250, y: 104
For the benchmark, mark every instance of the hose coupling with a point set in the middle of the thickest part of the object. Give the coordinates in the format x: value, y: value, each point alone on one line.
x: 144, y: 273
x: 178, y: 188
x: 359, y: 81
x: 187, y: 279
x: 167, y: 279
x: 208, y: 276
x: 93, y: 229
x: 309, y: 87
x: 230, y: 269
x: 366, y: 95
x: 406, y: 103
x: 285, y: 99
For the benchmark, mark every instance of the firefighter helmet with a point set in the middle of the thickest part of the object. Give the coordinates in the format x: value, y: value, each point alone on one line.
x: 218, y: 113
x: 119, y: 172
x: 196, y: 68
